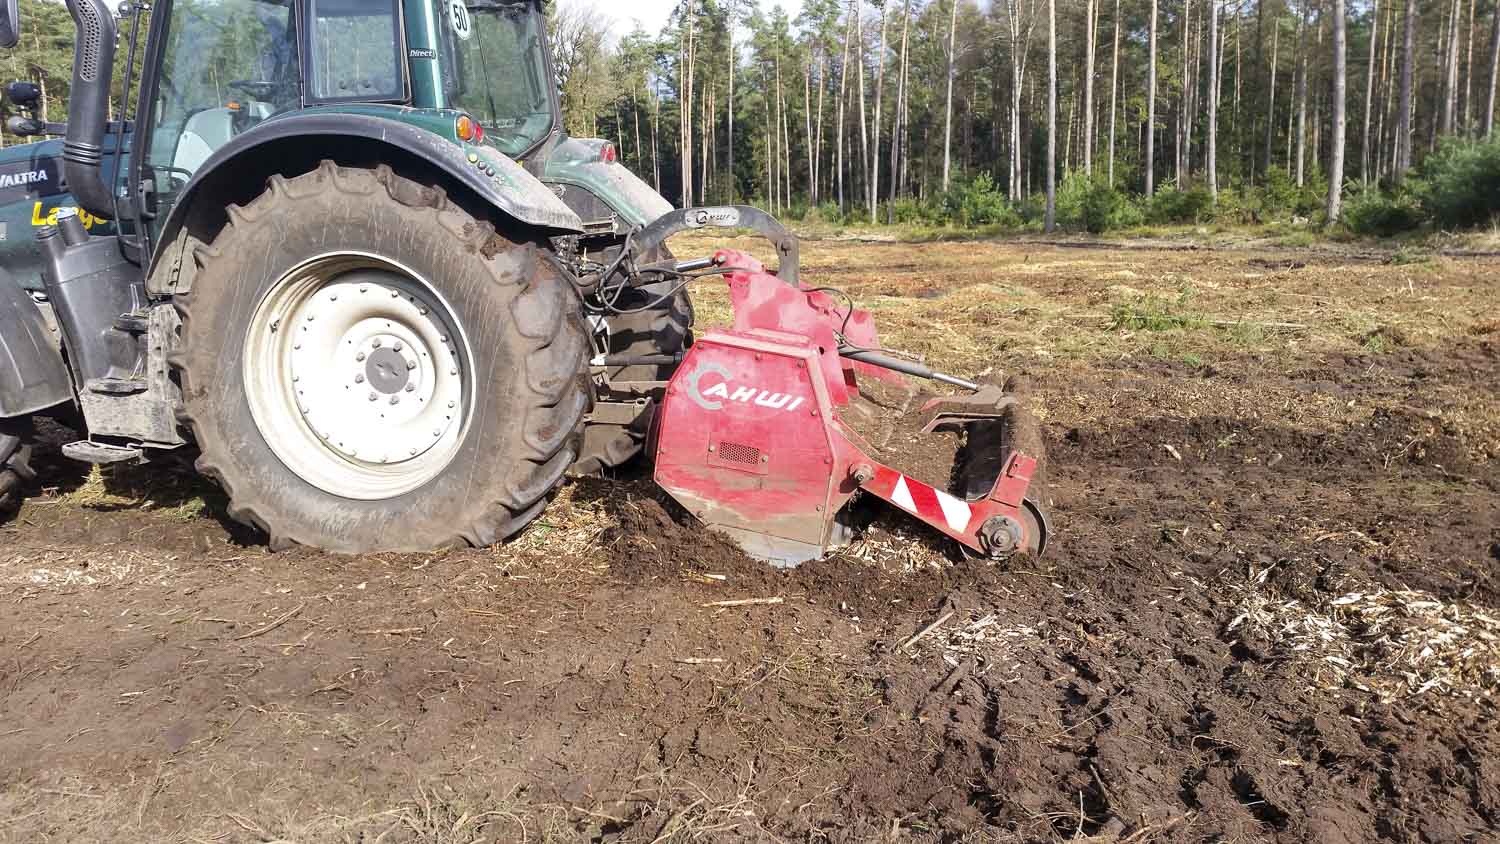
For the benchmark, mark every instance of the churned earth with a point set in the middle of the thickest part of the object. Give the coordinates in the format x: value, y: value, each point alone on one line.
x: 1270, y: 612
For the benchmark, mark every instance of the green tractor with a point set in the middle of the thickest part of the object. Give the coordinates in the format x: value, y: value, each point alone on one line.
x: 344, y: 248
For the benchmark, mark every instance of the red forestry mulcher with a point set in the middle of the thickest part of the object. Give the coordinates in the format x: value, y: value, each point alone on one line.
x: 762, y: 431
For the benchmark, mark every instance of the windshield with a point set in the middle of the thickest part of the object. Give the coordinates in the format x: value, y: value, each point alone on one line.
x: 492, y: 68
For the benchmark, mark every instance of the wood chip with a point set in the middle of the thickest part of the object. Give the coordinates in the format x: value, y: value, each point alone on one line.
x: 745, y: 602
x: 921, y: 634
x: 261, y: 631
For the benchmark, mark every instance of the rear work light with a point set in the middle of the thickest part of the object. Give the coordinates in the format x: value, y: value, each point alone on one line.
x: 468, y: 129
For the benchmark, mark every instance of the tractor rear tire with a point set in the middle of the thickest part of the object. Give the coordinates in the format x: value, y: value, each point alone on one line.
x: 662, y: 330
x: 464, y: 335
x: 15, y: 461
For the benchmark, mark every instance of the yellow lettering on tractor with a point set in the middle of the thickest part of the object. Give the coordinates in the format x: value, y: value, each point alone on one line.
x: 84, y: 217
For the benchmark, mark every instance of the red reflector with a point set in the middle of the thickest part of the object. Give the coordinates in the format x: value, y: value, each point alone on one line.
x: 608, y: 154
x: 466, y: 128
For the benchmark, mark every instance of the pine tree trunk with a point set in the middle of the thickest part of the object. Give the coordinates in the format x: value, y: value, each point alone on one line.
x: 1450, y: 72
x: 1301, y: 166
x: 1387, y: 79
x: 843, y: 95
x: 733, y: 4
x: 704, y: 140
x: 818, y: 147
x: 1184, y: 108
x: 899, y: 119
x: 1364, y: 146
x: 786, y: 137
x: 1150, y: 156
x: 1489, y: 100
x: 1336, y: 144
x: 1114, y: 96
x: 1403, y: 109
x: 1211, y: 164
x: 1271, y: 98
x: 879, y: 95
x: 807, y: 128
x: 1051, y: 218
x: 1469, y: 75
x: 864, y: 127
x: 948, y: 120
x: 685, y: 111
x: 1091, y: 12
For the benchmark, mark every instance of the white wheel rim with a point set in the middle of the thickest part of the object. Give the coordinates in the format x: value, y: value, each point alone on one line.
x: 358, y: 376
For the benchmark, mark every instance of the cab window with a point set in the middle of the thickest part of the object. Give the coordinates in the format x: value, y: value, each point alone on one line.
x: 355, y: 51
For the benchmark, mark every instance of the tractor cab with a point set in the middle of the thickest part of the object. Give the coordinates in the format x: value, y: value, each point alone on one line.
x: 215, y: 71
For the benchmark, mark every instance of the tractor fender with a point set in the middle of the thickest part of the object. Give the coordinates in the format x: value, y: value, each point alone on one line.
x: 296, y: 143
x: 32, y: 373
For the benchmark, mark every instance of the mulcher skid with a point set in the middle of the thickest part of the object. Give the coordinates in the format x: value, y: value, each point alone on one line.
x: 753, y: 437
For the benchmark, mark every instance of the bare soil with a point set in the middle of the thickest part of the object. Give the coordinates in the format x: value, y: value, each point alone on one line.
x: 1271, y: 609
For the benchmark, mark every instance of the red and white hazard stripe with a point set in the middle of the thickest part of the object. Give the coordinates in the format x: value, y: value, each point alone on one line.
x: 930, y: 505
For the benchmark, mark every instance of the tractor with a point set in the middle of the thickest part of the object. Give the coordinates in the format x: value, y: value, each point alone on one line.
x: 345, y: 251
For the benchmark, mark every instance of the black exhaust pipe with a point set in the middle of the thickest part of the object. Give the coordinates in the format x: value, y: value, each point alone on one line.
x: 88, y: 107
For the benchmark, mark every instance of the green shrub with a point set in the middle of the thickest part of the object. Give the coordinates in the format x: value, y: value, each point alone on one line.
x: 1092, y: 204
x: 1370, y: 212
x: 1171, y: 205
x: 1279, y: 195
x: 1459, y: 185
x: 978, y: 202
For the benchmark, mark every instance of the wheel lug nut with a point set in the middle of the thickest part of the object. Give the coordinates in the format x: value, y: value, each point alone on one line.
x: 422, y: 311
x: 375, y: 342
x: 360, y: 356
x: 411, y: 388
x: 453, y: 404
x: 359, y: 379
x: 410, y: 365
x: 363, y: 288
x: 397, y: 347
x: 373, y: 397
x: 395, y: 399
x: 395, y: 294
x: 309, y: 317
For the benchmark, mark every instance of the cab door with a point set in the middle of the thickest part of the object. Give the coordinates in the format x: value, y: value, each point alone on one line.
x: 212, y: 71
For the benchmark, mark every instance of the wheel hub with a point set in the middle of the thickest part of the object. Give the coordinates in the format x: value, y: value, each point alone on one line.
x: 368, y: 360
x: 386, y: 370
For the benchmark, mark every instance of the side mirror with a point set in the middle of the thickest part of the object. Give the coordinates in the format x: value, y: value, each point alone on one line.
x: 10, y: 24
x: 27, y: 95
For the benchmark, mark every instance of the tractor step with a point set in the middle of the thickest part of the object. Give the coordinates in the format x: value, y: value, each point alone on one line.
x: 102, y: 454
